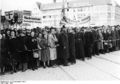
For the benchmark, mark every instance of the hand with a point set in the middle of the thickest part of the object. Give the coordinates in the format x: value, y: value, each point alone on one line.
x: 57, y: 45
x: 40, y: 48
x: 64, y: 47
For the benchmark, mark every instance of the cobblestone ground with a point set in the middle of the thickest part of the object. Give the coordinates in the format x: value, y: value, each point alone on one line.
x: 102, y: 67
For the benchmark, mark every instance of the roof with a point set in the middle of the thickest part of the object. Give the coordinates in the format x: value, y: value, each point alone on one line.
x: 75, y: 3
x: 51, y: 6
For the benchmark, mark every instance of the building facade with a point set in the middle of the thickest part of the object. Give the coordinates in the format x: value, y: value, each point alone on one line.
x: 81, y: 13
x: 26, y: 19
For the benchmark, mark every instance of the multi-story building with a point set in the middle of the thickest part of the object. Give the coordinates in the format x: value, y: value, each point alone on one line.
x: 82, y: 13
x: 26, y: 18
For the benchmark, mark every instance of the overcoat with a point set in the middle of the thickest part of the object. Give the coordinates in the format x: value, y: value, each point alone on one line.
x: 45, y: 53
x: 3, y: 52
x: 88, y: 43
x: 79, y: 45
x: 21, y: 50
x: 64, y: 45
x: 71, y: 38
x: 52, y: 43
x: 39, y: 44
x: 95, y: 49
x: 100, y: 43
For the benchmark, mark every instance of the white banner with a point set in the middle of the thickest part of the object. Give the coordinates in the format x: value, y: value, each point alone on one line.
x: 31, y: 19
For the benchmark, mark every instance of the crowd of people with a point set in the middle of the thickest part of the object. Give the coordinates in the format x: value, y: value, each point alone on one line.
x: 23, y: 49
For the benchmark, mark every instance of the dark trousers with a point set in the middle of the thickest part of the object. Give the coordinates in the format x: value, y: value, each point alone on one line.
x: 88, y: 51
x: 95, y: 50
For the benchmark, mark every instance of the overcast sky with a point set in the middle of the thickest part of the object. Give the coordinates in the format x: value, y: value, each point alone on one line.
x: 23, y: 4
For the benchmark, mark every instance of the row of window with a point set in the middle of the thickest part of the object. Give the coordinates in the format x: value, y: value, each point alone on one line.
x: 51, y: 21
x: 74, y: 10
x: 51, y: 16
x: 57, y: 16
x: 78, y: 9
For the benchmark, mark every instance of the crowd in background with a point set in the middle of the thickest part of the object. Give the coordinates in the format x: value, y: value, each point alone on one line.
x: 23, y: 49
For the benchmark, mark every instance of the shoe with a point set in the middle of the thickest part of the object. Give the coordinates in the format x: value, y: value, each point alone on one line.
x: 54, y: 66
x: 49, y: 65
x: 83, y: 59
x: 2, y: 73
x: 65, y: 65
x: 33, y: 69
x: 44, y: 67
x: 11, y: 72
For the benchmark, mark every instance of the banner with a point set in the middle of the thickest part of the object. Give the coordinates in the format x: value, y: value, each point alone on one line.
x: 81, y: 21
x: 31, y: 19
x: 9, y: 15
x: 85, y: 20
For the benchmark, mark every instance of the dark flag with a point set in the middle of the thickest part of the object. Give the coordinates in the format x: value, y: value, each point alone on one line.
x: 39, y: 5
x: 54, y: 1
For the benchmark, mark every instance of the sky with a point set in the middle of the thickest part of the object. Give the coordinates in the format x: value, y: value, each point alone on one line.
x: 20, y: 4
x: 7, y: 5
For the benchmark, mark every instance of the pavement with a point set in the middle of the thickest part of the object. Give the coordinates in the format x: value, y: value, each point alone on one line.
x: 103, y: 67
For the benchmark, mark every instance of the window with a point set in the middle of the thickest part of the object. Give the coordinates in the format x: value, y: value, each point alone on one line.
x: 67, y: 9
x: 80, y: 9
x: 44, y: 16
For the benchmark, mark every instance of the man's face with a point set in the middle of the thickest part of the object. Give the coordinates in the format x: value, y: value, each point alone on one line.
x: 4, y: 35
x: 13, y: 33
x: 70, y: 30
x: 32, y: 34
x: 65, y: 29
x: 77, y: 30
x: 8, y: 32
x: 53, y: 31
x: 22, y: 34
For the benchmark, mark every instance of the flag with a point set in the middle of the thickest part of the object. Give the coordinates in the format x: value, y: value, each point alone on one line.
x: 54, y: 1
x: 38, y: 4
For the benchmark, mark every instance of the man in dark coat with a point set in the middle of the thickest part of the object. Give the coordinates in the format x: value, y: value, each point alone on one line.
x: 64, y: 45
x: 13, y: 52
x: 21, y: 50
x: 95, y: 50
x: 29, y: 50
x: 88, y: 43
x: 79, y: 44
x: 71, y: 38
x: 3, y: 54
x: 114, y: 37
x: 117, y: 38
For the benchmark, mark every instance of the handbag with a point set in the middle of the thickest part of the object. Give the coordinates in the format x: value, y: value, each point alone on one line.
x: 35, y: 55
